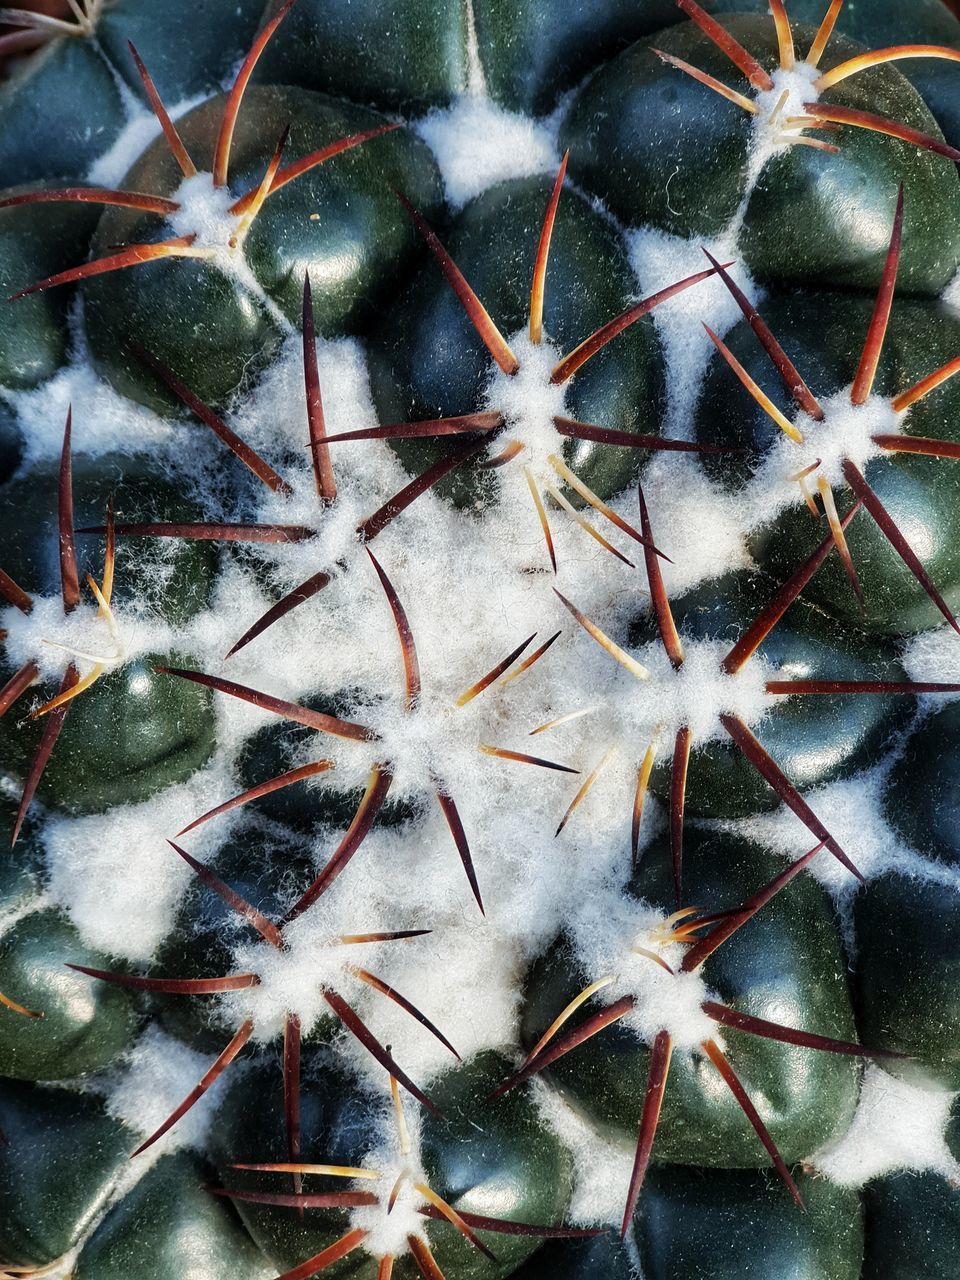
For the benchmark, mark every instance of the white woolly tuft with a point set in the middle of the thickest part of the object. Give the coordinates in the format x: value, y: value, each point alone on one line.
x: 205, y: 213
x: 934, y: 655
x: 54, y: 639
x: 529, y: 402
x: 660, y: 260
x: 478, y: 144
x: 115, y: 875
x: 605, y: 930
x: 390, y: 1231
x: 852, y: 813
x: 846, y: 432
x: 104, y: 421
x: 158, y: 1075
x: 897, y: 1126
x: 602, y: 1169
x: 791, y: 89
x: 694, y: 696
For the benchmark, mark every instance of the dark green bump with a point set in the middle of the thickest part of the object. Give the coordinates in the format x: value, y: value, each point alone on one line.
x: 36, y: 241
x: 168, y: 1227
x: 269, y: 868
x: 908, y: 976
x: 427, y: 361
x: 341, y: 221
x: 85, y: 1024
x: 922, y: 796
x: 134, y: 733
x: 493, y: 1159
x: 399, y: 55
x: 823, y: 333
x: 742, y: 1225
x: 913, y: 1227
x: 58, y: 1168
x: 785, y: 965
x: 660, y: 148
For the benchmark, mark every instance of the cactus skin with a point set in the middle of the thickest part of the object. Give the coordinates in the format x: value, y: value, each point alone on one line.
x: 874, y: 967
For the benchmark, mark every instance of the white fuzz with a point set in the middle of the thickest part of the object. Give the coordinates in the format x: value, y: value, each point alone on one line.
x: 157, y: 1076
x: 141, y: 129
x: 274, y: 413
x: 601, y: 1169
x: 851, y: 812
x: 695, y: 696
x: 293, y: 980
x: 104, y: 422
x: 846, y: 432
x: 605, y: 932
x: 934, y: 655
x: 389, y: 1232
x: 770, y: 127
x: 115, y: 875
x: 205, y: 212
x: 477, y: 144
x: 660, y: 260
x: 897, y: 1126
x: 529, y: 402
x: 54, y: 639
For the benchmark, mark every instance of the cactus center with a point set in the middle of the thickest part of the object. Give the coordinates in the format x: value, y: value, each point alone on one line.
x: 389, y: 1229
x: 205, y: 213
x: 693, y: 696
x: 529, y: 402
x: 629, y: 943
x: 778, y: 107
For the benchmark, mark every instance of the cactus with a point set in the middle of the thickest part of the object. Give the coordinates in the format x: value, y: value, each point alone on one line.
x: 479, y: 670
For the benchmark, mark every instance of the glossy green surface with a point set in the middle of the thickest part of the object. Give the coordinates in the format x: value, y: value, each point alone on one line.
x: 500, y: 1162
x: 61, y: 1160
x: 133, y: 733
x: 35, y: 242
x: 908, y: 976
x: 170, y: 577
x: 189, y: 49
x: 65, y: 106
x: 597, y: 1258
x: 532, y: 51
x: 922, y: 797
x: 740, y: 1225
x: 814, y: 739
x: 341, y: 221
x: 823, y: 334
x: 427, y: 361
x: 878, y: 24
x: 85, y: 1024
x: 400, y: 55
x: 785, y: 965
x: 913, y: 1227
x: 170, y: 1228
x: 661, y: 148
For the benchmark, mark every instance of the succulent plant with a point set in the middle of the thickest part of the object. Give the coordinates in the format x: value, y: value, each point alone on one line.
x: 479, y: 678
